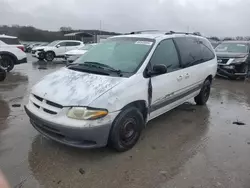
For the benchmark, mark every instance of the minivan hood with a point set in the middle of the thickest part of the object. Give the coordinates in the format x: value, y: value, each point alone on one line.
x: 230, y: 55
x: 72, y: 88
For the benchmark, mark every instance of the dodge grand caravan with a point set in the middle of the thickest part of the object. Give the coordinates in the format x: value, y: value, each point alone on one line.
x: 107, y: 96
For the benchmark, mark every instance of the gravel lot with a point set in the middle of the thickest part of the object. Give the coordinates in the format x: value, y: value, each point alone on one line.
x: 189, y: 147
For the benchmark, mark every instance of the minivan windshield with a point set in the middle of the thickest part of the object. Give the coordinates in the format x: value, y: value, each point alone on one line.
x: 122, y: 53
x: 232, y: 48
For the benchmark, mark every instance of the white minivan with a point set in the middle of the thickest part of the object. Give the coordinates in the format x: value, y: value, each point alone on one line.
x: 107, y: 96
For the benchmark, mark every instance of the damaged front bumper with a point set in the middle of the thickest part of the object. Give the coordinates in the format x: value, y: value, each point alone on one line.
x: 232, y: 71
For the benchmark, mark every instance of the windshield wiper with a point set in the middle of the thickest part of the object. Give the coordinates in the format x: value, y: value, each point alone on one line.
x: 103, y: 66
x: 79, y: 67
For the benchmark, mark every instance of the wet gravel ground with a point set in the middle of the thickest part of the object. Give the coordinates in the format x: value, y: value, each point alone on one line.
x: 189, y: 147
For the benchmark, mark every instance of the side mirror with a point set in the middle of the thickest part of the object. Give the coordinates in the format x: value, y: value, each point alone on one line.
x: 58, y: 45
x: 157, y: 70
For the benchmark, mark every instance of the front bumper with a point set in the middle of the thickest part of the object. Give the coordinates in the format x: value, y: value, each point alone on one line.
x: 38, y: 54
x: 230, y: 72
x: 21, y: 61
x: 87, y: 137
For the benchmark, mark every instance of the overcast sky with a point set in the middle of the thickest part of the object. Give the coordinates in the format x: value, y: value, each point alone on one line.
x: 210, y: 17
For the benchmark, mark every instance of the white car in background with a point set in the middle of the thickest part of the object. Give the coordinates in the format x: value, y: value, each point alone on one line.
x: 55, y: 49
x: 11, y: 52
x: 73, y: 55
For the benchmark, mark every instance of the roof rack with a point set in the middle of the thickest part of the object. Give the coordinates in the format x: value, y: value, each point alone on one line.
x: 186, y: 33
x: 145, y: 31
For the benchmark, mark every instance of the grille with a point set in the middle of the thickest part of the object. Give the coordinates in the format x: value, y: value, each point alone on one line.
x: 45, y: 105
x: 223, y: 61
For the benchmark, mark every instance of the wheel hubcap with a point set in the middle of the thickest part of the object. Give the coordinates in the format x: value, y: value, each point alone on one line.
x: 128, y: 131
x: 5, y: 63
x: 49, y: 56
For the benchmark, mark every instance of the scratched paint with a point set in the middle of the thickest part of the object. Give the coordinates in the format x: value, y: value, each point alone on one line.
x: 69, y: 87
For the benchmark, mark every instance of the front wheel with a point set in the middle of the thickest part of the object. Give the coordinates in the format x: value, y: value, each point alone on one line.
x: 40, y: 59
x: 7, y: 63
x: 49, y: 56
x: 126, y: 129
x: 204, y: 94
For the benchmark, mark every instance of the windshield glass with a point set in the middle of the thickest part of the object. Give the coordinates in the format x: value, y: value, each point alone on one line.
x: 53, y: 43
x: 232, y: 48
x: 125, y: 54
x: 87, y: 47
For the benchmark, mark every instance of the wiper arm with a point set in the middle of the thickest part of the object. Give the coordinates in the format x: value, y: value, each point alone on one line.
x: 101, y: 65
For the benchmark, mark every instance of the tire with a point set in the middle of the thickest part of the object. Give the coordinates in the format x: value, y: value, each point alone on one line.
x: 49, y: 56
x: 203, y: 96
x: 2, y: 74
x: 126, y: 129
x: 7, y: 62
x: 40, y: 59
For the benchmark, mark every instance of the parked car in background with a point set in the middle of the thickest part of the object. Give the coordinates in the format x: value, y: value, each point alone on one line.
x: 233, y: 59
x: 38, y: 46
x: 73, y: 55
x: 11, y: 55
x: 214, y: 43
x: 28, y: 48
x: 11, y: 41
x: 110, y: 93
x: 55, y: 49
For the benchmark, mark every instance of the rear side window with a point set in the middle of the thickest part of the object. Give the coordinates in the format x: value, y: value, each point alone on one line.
x: 206, y: 50
x: 10, y: 41
x: 73, y: 43
x: 166, y: 54
x: 194, y: 51
x: 62, y: 44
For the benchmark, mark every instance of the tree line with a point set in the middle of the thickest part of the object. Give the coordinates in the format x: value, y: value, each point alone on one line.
x: 30, y: 33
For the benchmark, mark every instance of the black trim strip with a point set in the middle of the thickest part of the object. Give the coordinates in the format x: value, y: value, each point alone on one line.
x: 157, y: 106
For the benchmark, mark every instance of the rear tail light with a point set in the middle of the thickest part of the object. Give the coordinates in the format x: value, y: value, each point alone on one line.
x: 21, y: 48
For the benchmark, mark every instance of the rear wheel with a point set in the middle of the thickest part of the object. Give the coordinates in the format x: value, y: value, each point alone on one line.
x: 49, y: 56
x: 126, y: 129
x: 7, y: 62
x: 204, y: 94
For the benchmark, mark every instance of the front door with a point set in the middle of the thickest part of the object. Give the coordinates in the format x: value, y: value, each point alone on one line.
x: 166, y: 87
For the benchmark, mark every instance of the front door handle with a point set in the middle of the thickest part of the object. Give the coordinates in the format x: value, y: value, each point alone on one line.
x: 187, y: 76
x: 179, y: 78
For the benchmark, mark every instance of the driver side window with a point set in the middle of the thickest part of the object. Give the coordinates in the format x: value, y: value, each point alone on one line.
x: 166, y: 54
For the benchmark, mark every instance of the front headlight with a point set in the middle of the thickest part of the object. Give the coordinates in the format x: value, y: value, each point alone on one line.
x: 86, y: 113
x: 239, y: 60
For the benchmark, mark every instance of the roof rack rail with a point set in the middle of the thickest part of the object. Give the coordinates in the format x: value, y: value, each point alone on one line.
x: 145, y: 31
x: 186, y: 33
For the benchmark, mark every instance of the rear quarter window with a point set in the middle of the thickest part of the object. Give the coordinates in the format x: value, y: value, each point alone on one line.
x: 10, y: 41
x: 194, y: 50
x: 206, y: 50
x: 73, y: 43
